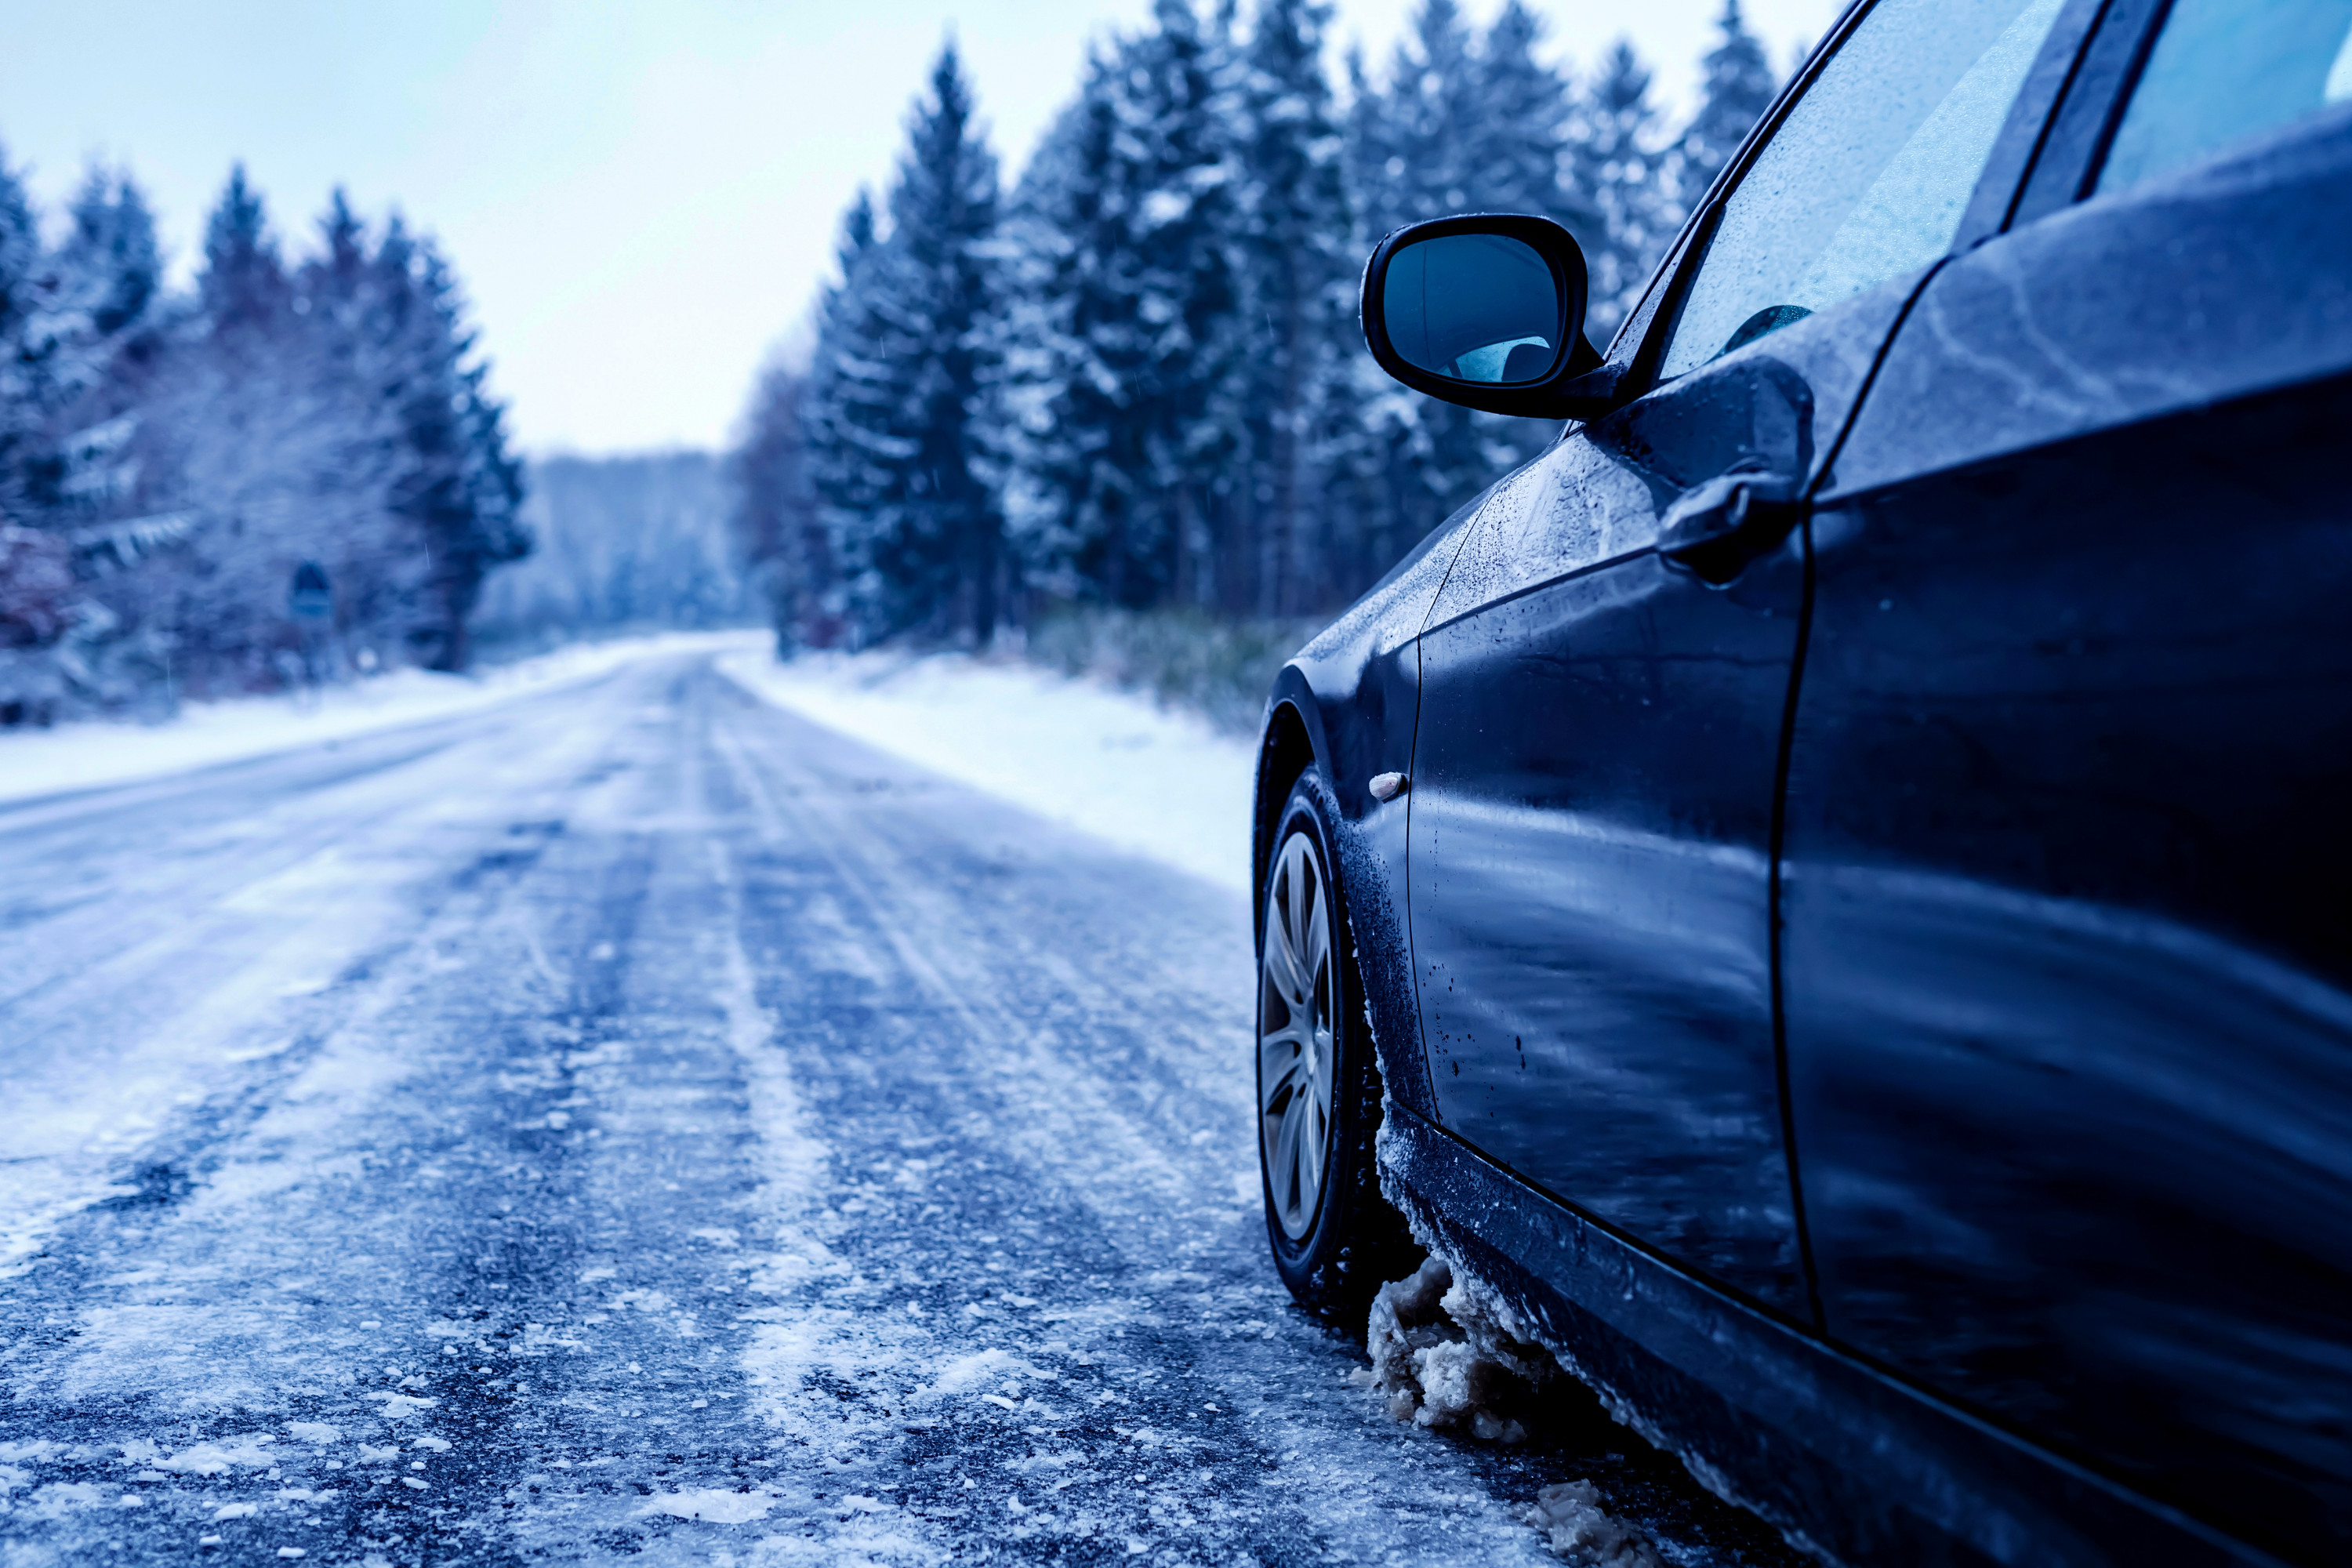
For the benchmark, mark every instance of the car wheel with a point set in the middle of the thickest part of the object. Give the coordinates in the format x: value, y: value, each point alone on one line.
x: 1335, y: 1239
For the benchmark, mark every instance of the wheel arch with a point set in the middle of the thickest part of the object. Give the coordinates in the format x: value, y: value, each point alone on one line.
x: 1348, y: 742
x: 1286, y: 749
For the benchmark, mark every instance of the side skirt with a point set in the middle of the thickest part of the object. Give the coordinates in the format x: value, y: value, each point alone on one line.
x: 1847, y: 1462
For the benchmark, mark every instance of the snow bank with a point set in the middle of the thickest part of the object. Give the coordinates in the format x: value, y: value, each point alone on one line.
x: 1161, y: 784
x: 97, y: 753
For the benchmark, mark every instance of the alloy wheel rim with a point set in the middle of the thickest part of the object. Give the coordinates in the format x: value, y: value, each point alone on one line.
x: 1294, y: 1045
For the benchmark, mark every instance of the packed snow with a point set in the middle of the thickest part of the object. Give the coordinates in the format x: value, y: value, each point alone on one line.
x: 1154, y: 780
x: 1578, y: 1527
x: 91, y: 754
x: 1446, y: 1353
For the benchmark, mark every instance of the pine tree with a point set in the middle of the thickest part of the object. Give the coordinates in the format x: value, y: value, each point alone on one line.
x: 38, y: 596
x: 20, y: 253
x: 109, y: 270
x: 846, y: 397
x: 245, y: 447
x: 336, y: 417
x: 1063, y: 353
x: 1173, y: 177
x: 773, y: 520
x: 1620, y: 165
x: 1296, y: 317
x: 457, y: 482
x: 189, y: 456
x: 243, y: 286
x: 335, y: 280
x: 1520, y: 147
x: 1737, y: 88
x: 1172, y: 403
x: 20, y: 256
x: 902, y: 365
x: 92, y: 337
x: 349, y: 354
x: 1124, y: 391
x: 1460, y: 123
x: 1415, y: 136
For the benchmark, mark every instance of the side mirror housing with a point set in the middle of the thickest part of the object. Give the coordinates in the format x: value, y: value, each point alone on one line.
x: 1486, y: 309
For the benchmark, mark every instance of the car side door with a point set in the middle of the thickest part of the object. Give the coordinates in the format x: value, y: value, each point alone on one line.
x: 2068, y: 940
x: 1606, y: 671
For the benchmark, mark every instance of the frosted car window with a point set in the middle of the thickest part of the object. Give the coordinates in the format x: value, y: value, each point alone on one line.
x: 2225, y: 71
x: 1868, y: 174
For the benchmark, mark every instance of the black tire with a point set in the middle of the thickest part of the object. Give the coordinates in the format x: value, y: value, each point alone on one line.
x: 1334, y: 1251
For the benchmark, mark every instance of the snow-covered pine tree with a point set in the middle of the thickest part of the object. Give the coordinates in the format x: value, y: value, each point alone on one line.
x: 900, y: 380
x: 1122, y: 381
x: 842, y: 409
x: 243, y: 286
x: 20, y: 257
x: 455, y: 479
x: 335, y: 284
x: 1414, y: 134
x: 1520, y: 148
x: 97, y: 284
x: 1178, y: 168
x: 189, y: 455
x: 20, y: 250
x: 1736, y: 89
x: 1521, y: 153
x: 1621, y: 167
x: 108, y: 269
x: 336, y: 415
x: 1062, y: 349
x: 352, y: 354
x: 38, y: 592
x: 94, y: 341
x: 1410, y: 145
x: 1296, y: 275
x: 241, y: 446
x: 1460, y: 123
x: 772, y: 516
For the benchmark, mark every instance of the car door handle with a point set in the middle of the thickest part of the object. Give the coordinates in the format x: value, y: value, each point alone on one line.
x: 1713, y: 531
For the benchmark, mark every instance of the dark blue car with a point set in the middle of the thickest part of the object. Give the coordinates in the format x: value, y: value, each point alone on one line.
x: 1833, y: 884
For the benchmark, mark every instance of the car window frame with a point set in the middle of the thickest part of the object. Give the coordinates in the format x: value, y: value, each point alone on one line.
x: 2083, y: 130
x: 2074, y: 148
x: 2019, y: 150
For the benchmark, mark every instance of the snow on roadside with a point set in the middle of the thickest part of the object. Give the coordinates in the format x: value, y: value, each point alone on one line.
x: 1161, y: 784
x: 89, y: 754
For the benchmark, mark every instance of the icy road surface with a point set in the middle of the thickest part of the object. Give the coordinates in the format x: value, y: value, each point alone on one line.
x: 634, y: 1122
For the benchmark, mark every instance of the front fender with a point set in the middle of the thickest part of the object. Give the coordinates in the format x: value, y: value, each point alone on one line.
x: 1346, y: 703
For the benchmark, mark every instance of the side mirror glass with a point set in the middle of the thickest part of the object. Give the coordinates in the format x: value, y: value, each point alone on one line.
x: 1486, y: 309
x: 1482, y: 308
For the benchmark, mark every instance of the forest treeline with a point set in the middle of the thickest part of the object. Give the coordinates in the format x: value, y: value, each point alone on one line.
x: 289, y: 471
x: 636, y: 543
x: 1134, y: 380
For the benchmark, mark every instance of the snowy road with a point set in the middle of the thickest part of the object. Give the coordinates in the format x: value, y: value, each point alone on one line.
x: 635, y: 1122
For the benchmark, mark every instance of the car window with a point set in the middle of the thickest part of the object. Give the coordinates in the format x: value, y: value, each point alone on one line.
x: 2224, y: 71
x: 1868, y: 174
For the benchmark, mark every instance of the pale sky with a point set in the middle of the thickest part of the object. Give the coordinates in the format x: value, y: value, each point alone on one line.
x: 641, y: 199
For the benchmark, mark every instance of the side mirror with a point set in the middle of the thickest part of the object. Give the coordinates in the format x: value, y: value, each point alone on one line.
x: 1485, y: 311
